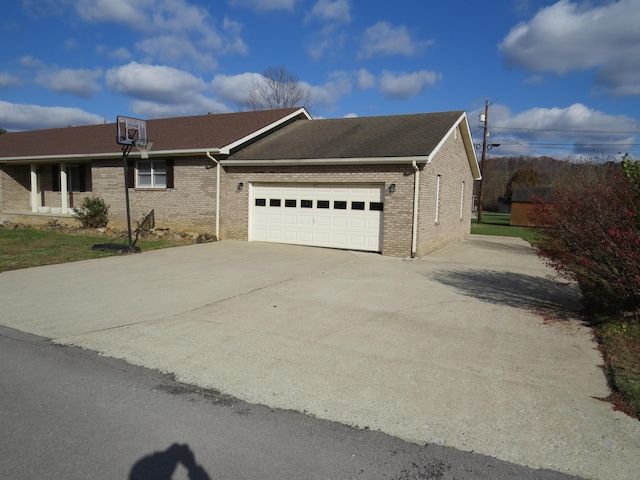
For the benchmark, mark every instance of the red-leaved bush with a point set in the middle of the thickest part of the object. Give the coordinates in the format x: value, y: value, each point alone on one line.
x: 590, y: 233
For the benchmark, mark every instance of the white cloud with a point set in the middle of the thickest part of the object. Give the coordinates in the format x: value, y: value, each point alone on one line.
x: 327, y: 95
x: 31, y: 62
x: 574, y: 129
x: 266, y: 5
x: 154, y: 82
x: 199, y: 105
x: 365, y: 79
x: 350, y: 115
x: 330, y: 11
x: 385, y: 39
x: 175, y: 50
x: 15, y: 116
x: 125, y: 11
x: 82, y: 83
x: 406, y: 85
x: 171, y: 26
x: 162, y: 91
x: 234, y: 88
x: 7, y: 80
x: 568, y: 36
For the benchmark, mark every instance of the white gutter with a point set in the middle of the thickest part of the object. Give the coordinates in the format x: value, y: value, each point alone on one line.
x: 217, y: 195
x: 92, y: 156
x: 326, y: 161
x: 416, y: 190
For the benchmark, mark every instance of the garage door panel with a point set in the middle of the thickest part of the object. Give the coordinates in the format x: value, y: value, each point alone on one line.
x: 337, y: 216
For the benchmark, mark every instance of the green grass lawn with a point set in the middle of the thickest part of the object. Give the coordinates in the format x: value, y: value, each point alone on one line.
x: 24, y: 248
x: 498, y: 224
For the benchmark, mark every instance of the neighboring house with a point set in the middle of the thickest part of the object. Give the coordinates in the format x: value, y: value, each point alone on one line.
x: 523, y: 200
x: 400, y: 185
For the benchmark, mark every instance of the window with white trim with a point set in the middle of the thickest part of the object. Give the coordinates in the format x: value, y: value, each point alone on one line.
x: 151, y: 174
x: 437, y: 198
x: 462, y: 201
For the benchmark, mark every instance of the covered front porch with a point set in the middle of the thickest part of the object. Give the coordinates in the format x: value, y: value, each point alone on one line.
x: 44, y: 188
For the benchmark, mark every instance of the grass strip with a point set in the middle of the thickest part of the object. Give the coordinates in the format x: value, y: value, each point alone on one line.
x: 25, y: 247
x: 499, y: 224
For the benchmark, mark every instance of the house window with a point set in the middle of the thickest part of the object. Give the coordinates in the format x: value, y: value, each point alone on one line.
x: 437, y: 219
x: 462, y: 201
x: 75, y: 178
x: 151, y: 174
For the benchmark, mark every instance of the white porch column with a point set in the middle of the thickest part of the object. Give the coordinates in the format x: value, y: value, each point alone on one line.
x: 35, y: 198
x: 64, y: 195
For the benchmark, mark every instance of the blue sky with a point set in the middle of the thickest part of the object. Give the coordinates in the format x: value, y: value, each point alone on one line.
x: 563, y: 77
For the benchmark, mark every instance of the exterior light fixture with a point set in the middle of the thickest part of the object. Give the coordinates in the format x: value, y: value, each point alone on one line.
x: 392, y: 188
x: 240, y: 186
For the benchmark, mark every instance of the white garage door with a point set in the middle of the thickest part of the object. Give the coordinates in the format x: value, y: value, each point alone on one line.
x: 336, y: 216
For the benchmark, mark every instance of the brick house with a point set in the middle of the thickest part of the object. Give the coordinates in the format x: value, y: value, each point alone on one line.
x: 400, y: 185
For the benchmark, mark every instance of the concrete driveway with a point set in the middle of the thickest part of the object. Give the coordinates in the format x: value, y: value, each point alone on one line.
x: 471, y: 347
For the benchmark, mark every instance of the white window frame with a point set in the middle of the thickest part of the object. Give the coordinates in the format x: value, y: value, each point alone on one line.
x: 462, y: 201
x: 157, y: 167
x: 437, y: 198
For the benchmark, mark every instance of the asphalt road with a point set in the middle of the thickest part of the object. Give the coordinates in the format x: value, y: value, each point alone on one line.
x: 68, y: 413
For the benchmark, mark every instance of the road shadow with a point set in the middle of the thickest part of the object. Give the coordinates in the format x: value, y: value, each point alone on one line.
x: 516, y: 290
x: 162, y: 465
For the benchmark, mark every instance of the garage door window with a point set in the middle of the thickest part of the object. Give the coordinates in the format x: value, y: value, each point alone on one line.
x: 291, y: 203
x: 376, y: 206
x: 274, y: 202
x: 306, y: 203
x: 339, y: 205
x: 323, y: 203
x: 357, y: 205
x: 261, y: 202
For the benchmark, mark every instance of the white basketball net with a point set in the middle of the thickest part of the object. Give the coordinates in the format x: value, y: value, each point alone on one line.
x: 144, y: 147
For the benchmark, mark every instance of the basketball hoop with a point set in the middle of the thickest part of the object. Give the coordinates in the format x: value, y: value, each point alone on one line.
x: 144, y: 147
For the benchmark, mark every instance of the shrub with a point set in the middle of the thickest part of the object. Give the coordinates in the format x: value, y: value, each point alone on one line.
x: 92, y: 213
x: 591, y: 234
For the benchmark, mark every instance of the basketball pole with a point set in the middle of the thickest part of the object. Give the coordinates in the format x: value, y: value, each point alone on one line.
x: 125, y: 153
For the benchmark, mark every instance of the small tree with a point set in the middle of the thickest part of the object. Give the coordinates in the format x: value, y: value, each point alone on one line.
x: 92, y: 213
x: 3, y: 131
x: 591, y: 234
x: 278, y: 88
x: 524, y: 177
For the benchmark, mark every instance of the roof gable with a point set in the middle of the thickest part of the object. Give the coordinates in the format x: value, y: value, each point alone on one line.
x: 201, y: 132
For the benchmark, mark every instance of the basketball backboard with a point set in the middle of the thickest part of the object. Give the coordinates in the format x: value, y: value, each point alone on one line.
x: 131, y: 131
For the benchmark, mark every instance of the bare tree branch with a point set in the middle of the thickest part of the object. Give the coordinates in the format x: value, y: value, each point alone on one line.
x: 278, y: 88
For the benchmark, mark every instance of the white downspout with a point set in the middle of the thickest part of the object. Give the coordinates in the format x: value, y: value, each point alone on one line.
x: 416, y: 190
x: 217, y: 196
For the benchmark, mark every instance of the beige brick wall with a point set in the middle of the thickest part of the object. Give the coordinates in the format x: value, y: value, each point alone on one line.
x: 189, y: 206
x: 397, y: 218
x: 452, y: 165
x: 15, y: 187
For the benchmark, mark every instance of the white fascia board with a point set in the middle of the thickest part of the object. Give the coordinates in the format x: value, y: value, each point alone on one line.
x: 325, y: 161
x: 59, y: 158
x: 226, y: 150
x: 468, y: 144
x: 93, y: 156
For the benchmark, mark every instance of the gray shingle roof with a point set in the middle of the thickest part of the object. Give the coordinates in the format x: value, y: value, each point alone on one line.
x: 360, y: 137
x: 179, y: 133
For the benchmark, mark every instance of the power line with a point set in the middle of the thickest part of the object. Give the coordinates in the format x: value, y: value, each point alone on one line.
x: 560, y: 130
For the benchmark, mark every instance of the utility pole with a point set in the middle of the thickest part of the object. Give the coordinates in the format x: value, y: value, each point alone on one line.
x: 484, y: 156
